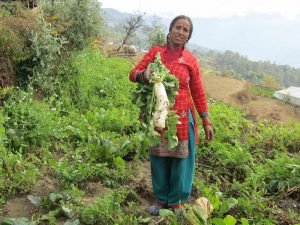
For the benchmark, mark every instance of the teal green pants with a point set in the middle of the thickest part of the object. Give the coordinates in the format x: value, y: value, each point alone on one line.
x: 172, y: 177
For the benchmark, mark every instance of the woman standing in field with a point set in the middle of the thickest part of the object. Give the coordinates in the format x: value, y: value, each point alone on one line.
x: 172, y: 171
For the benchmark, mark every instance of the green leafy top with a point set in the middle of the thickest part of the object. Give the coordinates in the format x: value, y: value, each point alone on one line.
x: 160, y: 71
x: 144, y: 98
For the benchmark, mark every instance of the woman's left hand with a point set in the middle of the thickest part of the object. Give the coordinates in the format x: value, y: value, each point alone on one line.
x: 209, y: 132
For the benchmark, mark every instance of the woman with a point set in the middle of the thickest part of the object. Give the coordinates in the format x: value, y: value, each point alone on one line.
x: 172, y: 171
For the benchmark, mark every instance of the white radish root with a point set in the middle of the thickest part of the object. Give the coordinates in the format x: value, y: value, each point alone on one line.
x: 162, y: 105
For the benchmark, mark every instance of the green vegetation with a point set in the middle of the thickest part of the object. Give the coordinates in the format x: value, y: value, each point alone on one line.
x: 235, y: 65
x: 73, y: 119
x: 153, y: 109
x: 262, y: 91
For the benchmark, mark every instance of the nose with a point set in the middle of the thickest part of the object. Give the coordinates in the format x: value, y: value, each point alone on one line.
x: 180, y: 31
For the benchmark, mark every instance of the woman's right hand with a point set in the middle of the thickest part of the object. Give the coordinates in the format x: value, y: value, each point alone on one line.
x: 146, y: 74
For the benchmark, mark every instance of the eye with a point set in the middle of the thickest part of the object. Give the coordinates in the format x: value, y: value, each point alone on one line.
x: 186, y: 30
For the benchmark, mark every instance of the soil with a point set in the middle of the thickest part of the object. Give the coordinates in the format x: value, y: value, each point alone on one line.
x: 93, y: 190
x: 141, y: 182
x: 287, y: 205
x: 20, y: 206
x: 237, y: 92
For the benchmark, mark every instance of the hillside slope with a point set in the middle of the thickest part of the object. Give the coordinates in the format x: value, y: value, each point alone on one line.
x: 237, y: 92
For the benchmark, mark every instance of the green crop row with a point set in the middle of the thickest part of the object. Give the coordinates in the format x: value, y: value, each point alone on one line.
x: 88, y: 129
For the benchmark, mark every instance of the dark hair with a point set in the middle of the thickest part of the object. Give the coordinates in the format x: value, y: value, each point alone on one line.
x: 185, y: 18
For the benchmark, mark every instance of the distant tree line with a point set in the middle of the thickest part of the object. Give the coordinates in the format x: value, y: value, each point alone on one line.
x: 233, y: 64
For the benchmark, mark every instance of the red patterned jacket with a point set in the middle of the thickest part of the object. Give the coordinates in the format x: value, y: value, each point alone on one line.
x: 185, y: 67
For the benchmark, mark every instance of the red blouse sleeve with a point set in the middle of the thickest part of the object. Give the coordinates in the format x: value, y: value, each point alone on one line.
x: 142, y: 65
x: 197, y: 89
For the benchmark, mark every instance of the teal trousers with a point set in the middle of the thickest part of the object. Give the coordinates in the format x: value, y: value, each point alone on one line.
x: 172, y: 177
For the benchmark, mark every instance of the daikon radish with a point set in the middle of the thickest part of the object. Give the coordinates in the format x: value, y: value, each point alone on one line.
x: 162, y: 103
x: 162, y: 106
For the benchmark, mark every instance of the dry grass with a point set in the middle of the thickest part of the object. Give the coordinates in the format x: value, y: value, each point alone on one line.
x: 238, y: 92
x: 13, y: 32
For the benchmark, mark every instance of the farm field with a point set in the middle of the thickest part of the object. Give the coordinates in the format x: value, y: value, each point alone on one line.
x: 71, y: 136
x: 91, y: 154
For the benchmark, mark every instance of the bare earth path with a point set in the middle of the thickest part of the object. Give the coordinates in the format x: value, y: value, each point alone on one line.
x: 237, y: 92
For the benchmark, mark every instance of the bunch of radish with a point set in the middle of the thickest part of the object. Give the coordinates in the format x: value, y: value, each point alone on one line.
x: 162, y: 102
x: 155, y: 100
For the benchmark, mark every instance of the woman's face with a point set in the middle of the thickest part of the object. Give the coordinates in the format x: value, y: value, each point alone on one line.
x: 180, y: 33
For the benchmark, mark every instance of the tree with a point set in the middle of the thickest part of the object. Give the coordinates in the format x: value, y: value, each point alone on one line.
x: 134, y: 22
x: 156, y: 32
x: 270, y: 82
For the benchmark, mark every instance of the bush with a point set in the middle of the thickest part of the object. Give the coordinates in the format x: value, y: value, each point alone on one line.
x: 79, y: 22
x: 13, y: 8
x: 45, y: 48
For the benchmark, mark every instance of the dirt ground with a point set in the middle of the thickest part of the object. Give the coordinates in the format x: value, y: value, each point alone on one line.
x: 237, y: 92
x: 140, y: 182
x: 20, y: 206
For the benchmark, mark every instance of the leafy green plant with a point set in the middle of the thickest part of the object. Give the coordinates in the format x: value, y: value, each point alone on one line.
x: 144, y: 98
x: 31, y: 124
x: 46, y: 49
x: 19, y: 221
x: 17, y: 173
x: 229, y: 220
x: 78, y: 171
x: 221, y: 205
x: 109, y: 209
x: 281, y: 175
x: 229, y: 122
x: 170, y: 217
x: 60, y: 204
x: 10, y: 44
x: 92, y: 81
x: 13, y: 8
x: 274, y: 138
x: 77, y: 22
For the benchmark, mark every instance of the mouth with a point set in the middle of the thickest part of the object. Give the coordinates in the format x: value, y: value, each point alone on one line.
x: 179, y: 38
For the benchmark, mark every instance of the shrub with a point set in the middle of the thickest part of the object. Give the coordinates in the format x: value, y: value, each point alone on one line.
x: 79, y: 22
x: 46, y: 49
